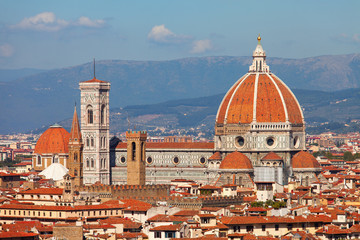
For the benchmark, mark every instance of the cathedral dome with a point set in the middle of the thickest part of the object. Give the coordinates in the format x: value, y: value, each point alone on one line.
x: 53, y: 140
x: 259, y: 96
x: 236, y: 160
x: 304, y: 160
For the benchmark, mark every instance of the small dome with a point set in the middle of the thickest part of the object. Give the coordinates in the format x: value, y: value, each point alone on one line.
x: 216, y: 156
x: 304, y: 160
x: 55, y: 171
x: 271, y: 156
x: 236, y: 160
x: 53, y: 140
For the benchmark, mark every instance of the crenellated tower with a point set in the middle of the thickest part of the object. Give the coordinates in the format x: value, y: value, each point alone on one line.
x: 136, y: 151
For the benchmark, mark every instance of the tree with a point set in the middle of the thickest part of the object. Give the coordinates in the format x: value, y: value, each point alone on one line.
x: 348, y: 156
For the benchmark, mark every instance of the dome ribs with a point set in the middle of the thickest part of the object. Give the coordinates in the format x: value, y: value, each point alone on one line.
x: 220, y: 117
x: 269, y: 105
x: 242, y: 111
x: 292, y: 105
x: 53, y: 140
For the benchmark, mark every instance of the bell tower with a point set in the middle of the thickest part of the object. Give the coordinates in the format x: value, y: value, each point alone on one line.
x: 95, y: 131
x: 75, y: 152
x: 136, y: 141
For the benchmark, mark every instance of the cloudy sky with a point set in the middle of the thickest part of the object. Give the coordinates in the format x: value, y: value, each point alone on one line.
x: 55, y: 34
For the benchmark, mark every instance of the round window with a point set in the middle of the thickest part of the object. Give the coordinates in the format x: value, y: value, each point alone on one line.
x: 122, y: 160
x: 202, y: 160
x: 149, y: 160
x: 270, y: 141
x: 296, y: 142
x: 176, y: 160
x: 240, y: 141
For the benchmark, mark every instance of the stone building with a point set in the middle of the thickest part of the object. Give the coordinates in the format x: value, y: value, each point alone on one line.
x: 52, y: 147
x: 95, y: 130
x: 259, y: 129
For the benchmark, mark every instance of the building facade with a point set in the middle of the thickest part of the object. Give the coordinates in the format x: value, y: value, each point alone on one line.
x: 95, y: 130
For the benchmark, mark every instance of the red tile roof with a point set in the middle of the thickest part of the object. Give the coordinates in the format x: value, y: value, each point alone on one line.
x: 94, y: 80
x: 304, y: 160
x: 238, y: 220
x: 44, y: 191
x: 272, y: 156
x: 53, y: 140
x: 135, y: 205
x: 236, y: 160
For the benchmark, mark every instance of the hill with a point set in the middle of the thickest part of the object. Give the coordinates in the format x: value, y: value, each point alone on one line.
x: 47, y: 97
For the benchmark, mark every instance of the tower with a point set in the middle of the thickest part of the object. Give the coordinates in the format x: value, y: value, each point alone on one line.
x: 95, y: 130
x: 136, y: 141
x: 75, y: 162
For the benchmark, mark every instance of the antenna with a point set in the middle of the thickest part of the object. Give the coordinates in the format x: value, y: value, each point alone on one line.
x: 94, y: 69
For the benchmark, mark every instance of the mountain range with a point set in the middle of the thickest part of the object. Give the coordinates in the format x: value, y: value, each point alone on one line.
x: 329, y: 83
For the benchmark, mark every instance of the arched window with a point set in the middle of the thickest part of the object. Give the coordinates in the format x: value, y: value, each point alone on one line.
x: 92, y: 163
x: 75, y: 172
x: 92, y: 142
x: 102, y: 114
x: 75, y: 157
x: 55, y: 159
x: 90, y: 115
x: 87, y: 142
x: 38, y: 160
x: 133, y: 151
x: 87, y: 163
x: 142, y: 151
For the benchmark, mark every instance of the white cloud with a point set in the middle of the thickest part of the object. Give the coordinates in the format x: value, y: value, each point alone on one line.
x: 6, y: 50
x: 161, y: 34
x: 48, y: 22
x: 87, y: 22
x: 201, y: 46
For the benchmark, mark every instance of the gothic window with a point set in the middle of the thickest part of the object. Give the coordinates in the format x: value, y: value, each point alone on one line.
x: 92, y: 142
x: 87, y: 142
x: 90, y: 115
x: 75, y: 173
x: 87, y: 163
x: 55, y: 159
x: 133, y: 151
x: 102, y: 115
x: 75, y: 157
x: 92, y: 163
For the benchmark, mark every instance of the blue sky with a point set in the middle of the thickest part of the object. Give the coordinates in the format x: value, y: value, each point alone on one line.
x: 55, y: 34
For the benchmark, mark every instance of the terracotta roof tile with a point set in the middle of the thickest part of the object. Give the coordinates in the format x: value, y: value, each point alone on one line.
x: 53, y: 140
x: 236, y: 160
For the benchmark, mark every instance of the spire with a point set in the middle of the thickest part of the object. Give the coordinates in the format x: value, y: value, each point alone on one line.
x: 75, y: 134
x: 259, y: 59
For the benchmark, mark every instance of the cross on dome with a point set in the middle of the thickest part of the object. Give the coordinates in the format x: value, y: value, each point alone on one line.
x: 259, y: 59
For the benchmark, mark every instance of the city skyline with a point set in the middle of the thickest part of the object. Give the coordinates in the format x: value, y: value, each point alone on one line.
x: 48, y: 35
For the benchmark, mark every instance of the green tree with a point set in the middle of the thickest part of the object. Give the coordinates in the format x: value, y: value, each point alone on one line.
x: 348, y: 156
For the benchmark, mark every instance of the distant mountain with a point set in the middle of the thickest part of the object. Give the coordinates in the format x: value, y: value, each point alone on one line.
x: 337, y: 108
x: 7, y: 75
x: 38, y: 100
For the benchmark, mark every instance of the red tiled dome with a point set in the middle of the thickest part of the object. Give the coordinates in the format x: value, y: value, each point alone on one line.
x: 267, y: 97
x: 236, y: 160
x: 304, y: 160
x: 53, y: 140
x: 216, y: 156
